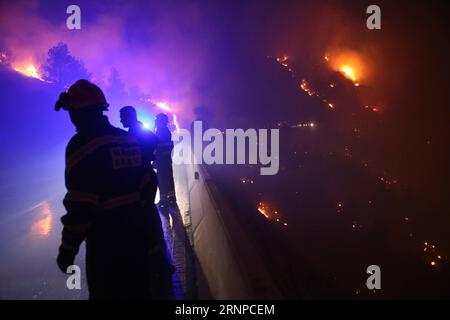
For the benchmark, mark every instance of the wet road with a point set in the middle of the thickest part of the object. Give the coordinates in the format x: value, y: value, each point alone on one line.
x: 29, y: 241
x: 30, y: 233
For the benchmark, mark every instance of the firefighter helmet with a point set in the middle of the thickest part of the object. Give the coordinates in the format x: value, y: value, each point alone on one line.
x: 80, y: 95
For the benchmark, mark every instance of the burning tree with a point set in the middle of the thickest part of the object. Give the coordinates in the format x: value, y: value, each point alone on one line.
x: 61, y: 68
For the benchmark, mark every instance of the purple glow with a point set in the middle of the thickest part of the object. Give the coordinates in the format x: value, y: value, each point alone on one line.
x: 164, y: 106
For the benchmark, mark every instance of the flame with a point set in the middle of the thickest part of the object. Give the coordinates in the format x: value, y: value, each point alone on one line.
x: 283, y: 60
x: 262, y: 210
x: 28, y: 70
x: 164, y: 106
x: 348, y: 72
x: 304, y: 85
x: 349, y: 63
x: 270, y: 213
x: 432, y: 254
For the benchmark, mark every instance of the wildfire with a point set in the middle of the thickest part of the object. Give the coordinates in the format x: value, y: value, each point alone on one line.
x: 263, y: 210
x: 28, y: 70
x: 304, y: 85
x: 432, y: 254
x: 349, y: 63
x: 283, y: 60
x: 348, y: 72
x: 270, y: 213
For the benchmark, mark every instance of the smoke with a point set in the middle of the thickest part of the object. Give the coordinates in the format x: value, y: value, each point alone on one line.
x: 194, y: 53
x: 160, y: 48
x: 184, y: 53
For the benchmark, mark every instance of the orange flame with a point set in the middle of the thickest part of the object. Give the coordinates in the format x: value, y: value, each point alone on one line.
x: 349, y: 63
x: 348, y: 72
x: 28, y: 70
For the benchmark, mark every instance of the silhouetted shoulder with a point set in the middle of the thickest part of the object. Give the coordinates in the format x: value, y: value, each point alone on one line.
x: 74, y: 144
x: 119, y: 132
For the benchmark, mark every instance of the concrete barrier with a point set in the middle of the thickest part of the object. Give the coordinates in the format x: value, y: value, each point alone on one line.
x: 230, y: 266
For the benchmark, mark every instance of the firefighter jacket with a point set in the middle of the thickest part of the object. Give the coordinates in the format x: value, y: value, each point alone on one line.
x: 110, y: 205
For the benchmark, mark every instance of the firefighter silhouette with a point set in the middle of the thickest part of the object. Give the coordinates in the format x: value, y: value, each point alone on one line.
x: 110, y: 205
x: 147, y: 139
x: 163, y: 163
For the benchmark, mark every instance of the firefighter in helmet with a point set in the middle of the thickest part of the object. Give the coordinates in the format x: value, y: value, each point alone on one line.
x: 110, y: 204
x: 163, y: 163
